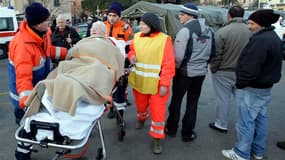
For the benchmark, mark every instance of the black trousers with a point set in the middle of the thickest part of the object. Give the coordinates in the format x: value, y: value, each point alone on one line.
x: 19, y: 113
x: 119, y: 95
x: 181, y: 85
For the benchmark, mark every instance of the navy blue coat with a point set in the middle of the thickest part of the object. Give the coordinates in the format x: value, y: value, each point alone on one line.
x: 260, y: 63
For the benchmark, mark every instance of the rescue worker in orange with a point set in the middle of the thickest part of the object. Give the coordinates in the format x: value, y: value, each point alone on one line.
x: 115, y: 26
x: 152, y: 54
x: 120, y: 31
x: 30, y: 56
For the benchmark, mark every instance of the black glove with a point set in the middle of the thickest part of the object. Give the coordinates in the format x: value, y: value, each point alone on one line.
x: 240, y: 85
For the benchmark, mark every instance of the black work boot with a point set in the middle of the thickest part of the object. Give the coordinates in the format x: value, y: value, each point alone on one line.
x: 23, y: 152
x: 22, y: 156
x: 281, y: 145
x: 139, y: 124
x: 169, y: 132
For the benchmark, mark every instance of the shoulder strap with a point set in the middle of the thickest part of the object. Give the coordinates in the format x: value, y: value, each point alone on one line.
x: 189, y: 48
x: 213, y: 48
x: 195, y: 28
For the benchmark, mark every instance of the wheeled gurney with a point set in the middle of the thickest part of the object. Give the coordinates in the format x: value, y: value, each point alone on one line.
x: 55, y: 138
x: 93, y: 67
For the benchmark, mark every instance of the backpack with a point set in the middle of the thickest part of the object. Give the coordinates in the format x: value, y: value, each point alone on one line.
x: 208, y: 33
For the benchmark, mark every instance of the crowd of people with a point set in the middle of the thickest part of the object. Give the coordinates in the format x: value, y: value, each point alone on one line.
x: 245, y: 61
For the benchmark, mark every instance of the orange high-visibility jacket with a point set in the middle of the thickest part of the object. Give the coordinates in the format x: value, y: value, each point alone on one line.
x: 120, y: 30
x: 167, y: 70
x: 29, y: 62
x: 148, y: 50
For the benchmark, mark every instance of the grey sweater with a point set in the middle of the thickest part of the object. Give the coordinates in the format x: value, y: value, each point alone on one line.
x: 230, y: 41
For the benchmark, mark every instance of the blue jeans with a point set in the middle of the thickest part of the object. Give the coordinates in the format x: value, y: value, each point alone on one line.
x: 252, y: 120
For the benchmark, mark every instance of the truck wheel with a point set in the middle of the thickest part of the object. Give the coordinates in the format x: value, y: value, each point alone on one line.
x: 3, y: 52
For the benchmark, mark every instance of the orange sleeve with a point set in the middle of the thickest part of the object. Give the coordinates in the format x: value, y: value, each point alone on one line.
x: 57, y: 53
x: 168, y: 64
x: 132, y: 50
x: 24, y: 72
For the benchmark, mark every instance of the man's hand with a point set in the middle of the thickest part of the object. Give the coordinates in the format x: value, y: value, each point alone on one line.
x: 68, y: 40
x: 163, y: 90
x: 133, y: 59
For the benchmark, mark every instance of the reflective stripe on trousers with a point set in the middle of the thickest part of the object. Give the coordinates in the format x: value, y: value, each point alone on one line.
x: 157, y: 109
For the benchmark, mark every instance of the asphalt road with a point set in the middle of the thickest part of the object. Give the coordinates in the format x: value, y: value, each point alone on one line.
x: 136, y: 145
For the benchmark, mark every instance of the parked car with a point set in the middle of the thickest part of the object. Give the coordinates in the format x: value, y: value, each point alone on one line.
x: 82, y: 30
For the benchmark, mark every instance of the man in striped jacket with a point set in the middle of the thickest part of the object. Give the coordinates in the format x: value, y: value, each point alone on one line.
x: 30, y: 54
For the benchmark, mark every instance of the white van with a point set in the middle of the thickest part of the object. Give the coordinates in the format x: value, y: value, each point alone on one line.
x: 8, y: 28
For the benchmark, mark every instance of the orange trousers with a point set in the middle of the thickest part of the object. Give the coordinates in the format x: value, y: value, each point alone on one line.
x: 155, y: 107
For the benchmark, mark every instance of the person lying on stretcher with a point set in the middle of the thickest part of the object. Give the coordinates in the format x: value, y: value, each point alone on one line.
x: 93, y: 68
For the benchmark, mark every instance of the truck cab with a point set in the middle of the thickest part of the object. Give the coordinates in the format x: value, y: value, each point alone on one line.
x: 8, y: 28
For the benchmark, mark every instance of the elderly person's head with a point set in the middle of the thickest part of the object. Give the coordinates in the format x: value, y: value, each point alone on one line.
x: 262, y: 18
x: 60, y: 22
x: 98, y: 28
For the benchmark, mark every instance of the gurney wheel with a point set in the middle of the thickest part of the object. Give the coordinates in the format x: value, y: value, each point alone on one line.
x: 121, y: 132
x: 99, y: 154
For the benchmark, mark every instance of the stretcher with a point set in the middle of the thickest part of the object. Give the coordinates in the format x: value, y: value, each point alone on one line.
x: 120, y: 107
x: 56, y: 137
x: 88, y: 74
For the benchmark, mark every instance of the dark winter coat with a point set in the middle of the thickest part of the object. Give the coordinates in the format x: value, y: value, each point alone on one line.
x: 59, y: 38
x: 260, y: 63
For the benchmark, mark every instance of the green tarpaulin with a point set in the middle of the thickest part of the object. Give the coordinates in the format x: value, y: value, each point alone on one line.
x: 168, y: 15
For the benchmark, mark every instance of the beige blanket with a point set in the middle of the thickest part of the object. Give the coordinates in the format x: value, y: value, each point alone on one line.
x: 91, y: 73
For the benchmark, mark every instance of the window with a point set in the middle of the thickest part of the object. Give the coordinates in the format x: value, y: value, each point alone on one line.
x: 56, y: 3
x: 6, y: 24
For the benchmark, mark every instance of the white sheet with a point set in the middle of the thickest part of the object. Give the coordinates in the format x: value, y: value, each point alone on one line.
x: 75, y: 127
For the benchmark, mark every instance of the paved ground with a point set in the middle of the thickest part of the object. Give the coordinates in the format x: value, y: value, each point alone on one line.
x: 136, y: 144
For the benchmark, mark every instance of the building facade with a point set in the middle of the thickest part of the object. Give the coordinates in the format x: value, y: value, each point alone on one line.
x: 67, y: 7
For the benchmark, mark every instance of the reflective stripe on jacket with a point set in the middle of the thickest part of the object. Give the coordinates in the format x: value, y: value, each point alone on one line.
x: 57, y: 53
x: 150, y: 54
x: 29, y: 63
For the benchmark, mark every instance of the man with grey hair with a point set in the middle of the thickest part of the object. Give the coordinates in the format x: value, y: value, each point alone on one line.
x: 64, y: 36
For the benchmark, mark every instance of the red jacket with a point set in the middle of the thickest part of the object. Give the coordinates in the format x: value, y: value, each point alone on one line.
x: 29, y: 62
